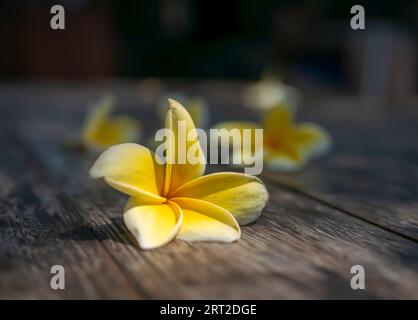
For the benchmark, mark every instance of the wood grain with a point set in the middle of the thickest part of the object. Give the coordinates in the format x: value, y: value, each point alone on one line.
x: 35, y: 219
x: 298, y: 249
x: 372, y: 173
x: 317, y: 224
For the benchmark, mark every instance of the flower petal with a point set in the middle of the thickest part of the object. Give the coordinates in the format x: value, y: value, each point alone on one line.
x: 153, y: 225
x: 114, y: 131
x: 313, y: 137
x: 102, y: 131
x: 203, y: 221
x: 131, y: 169
x: 124, y: 129
x: 178, y: 173
x: 286, y: 161
x: 268, y: 92
x: 96, y: 118
x: 196, y: 106
x: 243, y: 195
x: 277, y: 121
x: 264, y: 94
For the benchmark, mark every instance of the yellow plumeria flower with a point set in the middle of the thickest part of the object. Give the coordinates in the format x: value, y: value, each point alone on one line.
x: 176, y: 200
x: 269, y: 92
x: 196, y: 106
x: 102, y: 131
x: 287, y: 146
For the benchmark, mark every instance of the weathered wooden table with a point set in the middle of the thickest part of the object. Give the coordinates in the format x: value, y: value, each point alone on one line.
x: 357, y: 206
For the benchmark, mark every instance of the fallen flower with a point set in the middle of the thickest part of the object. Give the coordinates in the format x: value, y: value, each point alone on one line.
x: 172, y: 200
x: 287, y: 146
x: 101, y: 131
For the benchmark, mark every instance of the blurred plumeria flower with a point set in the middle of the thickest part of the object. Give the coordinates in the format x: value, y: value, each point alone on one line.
x: 270, y: 92
x: 173, y: 200
x: 101, y: 130
x: 287, y: 146
x: 196, y: 106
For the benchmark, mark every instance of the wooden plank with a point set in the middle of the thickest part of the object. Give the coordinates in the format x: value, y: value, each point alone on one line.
x: 372, y: 173
x: 35, y: 219
x: 299, y: 248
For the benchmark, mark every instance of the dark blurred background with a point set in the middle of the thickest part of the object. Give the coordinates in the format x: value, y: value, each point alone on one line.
x: 307, y: 43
